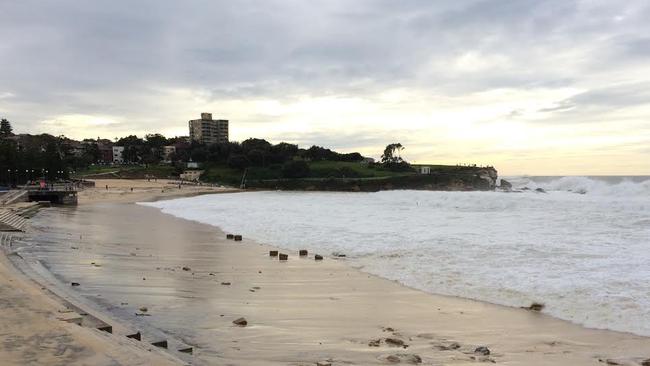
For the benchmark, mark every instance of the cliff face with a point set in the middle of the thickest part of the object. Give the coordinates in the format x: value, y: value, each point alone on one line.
x: 489, y: 175
x: 460, y: 179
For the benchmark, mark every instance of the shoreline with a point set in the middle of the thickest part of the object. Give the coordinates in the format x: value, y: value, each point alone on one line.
x: 50, y: 317
x: 42, y: 326
x: 411, y: 313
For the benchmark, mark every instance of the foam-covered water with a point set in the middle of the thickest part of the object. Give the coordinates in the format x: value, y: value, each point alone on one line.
x: 586, y: 256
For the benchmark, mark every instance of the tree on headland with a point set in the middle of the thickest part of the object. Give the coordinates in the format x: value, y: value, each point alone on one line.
x: 391, y: 154
x: 392, y: 160
x: 5, y: 128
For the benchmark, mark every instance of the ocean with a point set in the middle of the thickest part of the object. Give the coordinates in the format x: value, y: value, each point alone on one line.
x: 582, y: 248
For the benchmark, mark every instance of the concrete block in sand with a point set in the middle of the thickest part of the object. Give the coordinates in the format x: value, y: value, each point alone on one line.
x: 303, y: 252
x: 318, y: 257
x: 161, y: 344
x: 137, y: 336
x: 238, y: 238
x: 186, y: 350
x: 230, y: 236
x: 273, y: 253
x: 106, y: 328
x: 283, y: 257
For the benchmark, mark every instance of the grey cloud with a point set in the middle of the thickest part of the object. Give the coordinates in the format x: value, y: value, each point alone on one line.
x: 609, y: 98
x: 638, y: 47
x: 114, y: 57
x: 562, y: 106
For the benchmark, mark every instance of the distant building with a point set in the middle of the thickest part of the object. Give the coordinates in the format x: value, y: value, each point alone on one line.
x: 192, y: 175
x: 104, y: 147
x: 118, y: 151
x: 105, y: 154
x: 423, y: 169
x: 207, y: 130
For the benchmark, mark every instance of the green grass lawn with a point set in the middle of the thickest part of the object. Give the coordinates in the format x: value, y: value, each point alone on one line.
x: 222, y: 174
x: 325, y: 169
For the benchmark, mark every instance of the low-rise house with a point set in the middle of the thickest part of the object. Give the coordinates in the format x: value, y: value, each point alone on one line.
x: 191, y: 175
x: 76, y: 148
x: 105, y: 154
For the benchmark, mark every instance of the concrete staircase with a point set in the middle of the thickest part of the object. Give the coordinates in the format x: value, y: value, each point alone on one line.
x: 9, y: 221
x: 6, y: 239
x: 19, y: 195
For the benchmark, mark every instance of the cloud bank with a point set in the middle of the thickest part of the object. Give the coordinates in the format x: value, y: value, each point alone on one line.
x: 533, y: 87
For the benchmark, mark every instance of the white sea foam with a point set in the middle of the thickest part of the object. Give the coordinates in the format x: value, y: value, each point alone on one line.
x: 606, y: 186
x: 586, y: 256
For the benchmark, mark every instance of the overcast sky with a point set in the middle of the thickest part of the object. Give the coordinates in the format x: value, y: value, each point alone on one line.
x: 532, y: 87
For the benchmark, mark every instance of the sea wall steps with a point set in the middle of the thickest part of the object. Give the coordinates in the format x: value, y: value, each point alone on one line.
x: 10, y: 221
x: 6, y: 239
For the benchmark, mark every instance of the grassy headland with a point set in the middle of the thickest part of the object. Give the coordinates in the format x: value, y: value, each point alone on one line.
x: 319, y: 175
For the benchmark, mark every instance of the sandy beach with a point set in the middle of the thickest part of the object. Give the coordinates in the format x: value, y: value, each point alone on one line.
x: 138, y: 190
x: 299, y: 312
x: 35, y: 325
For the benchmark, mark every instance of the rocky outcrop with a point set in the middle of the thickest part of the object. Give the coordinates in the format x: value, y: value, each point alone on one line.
x: 448, y: 179
x: 489, y: 175
x: 505, y: 185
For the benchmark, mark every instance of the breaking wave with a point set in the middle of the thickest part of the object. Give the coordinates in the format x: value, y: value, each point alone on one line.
x: 604, y: 186
x: 584, y: 255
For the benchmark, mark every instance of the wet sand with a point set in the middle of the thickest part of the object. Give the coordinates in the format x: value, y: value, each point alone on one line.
x: 299, y: 312
x: 38, y: 327
x: 34, y: 331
